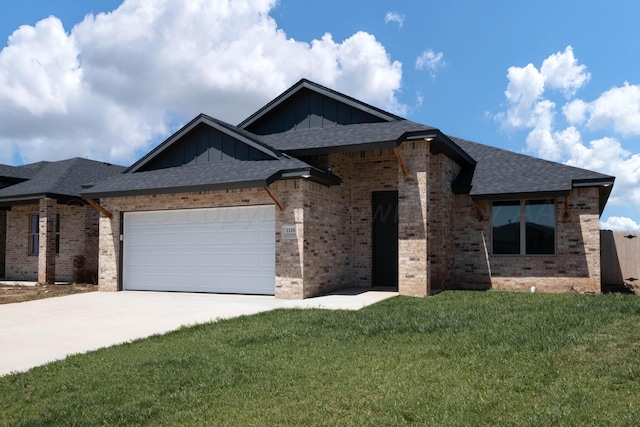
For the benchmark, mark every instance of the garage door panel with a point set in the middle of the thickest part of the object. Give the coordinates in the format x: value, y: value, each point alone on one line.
x: 201, y: 250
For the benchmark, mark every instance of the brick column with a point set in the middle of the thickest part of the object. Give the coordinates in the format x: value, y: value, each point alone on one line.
x: 290, y: 274
x: 413, y: 274
x: 3, y: 240
x: 47, y: 247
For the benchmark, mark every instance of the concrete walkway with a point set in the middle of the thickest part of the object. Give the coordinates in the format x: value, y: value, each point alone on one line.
x: 37, y: 332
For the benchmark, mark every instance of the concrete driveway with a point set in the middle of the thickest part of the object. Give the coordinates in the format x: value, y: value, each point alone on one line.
x: 37, y: 332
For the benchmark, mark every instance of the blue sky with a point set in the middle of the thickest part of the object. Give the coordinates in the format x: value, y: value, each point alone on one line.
x: 109, y: 80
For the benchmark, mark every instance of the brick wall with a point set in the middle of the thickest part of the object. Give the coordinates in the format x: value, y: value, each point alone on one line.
x: 575, y: 267
x: 78, y: 257
x: 19, y: 264
x: 78, y: 238
x: 441, y: 221
x: 444, y: 239
x: 333, y: 245
x: 412, y: 224
x: 328, y: 245
x: 375, y: 170
x: 3, y: 240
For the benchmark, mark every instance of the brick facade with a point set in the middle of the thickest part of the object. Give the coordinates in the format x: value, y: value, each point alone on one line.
x: 444, y: 239
x: 77, y: 260
x: 575, y: 267
x: 322, y: 257
x: 3, y: 240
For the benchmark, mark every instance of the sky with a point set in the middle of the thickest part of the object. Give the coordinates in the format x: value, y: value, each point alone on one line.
x: 111, y: 79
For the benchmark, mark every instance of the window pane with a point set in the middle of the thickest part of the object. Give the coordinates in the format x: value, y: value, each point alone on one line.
x: 35, y: 224
x: 57, y: 233
x: 506, y: 227
x: 34, y: 237
x: 540, y: 227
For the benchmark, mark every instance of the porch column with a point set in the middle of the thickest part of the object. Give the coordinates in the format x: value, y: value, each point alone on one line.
x: 413, y: 274
x: 3, y: 241
x: 47, y: 241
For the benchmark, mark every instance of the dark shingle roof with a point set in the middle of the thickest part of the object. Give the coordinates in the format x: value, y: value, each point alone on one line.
x: 12, y: 172
x: 500, y: 173
x: 344, y: 137
x: 198, y: 177
x: 20, y: 173
x: 54, y: 179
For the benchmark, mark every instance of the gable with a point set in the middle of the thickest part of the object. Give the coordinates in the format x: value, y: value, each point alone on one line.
x: 204, y: 144
x: 306, y: 110
x: 308, y: 105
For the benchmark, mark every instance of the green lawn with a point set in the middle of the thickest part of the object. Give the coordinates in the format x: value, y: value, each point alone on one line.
x: 459, y: 358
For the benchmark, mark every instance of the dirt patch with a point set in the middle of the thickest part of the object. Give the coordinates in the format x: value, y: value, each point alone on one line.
x: 18, y: 293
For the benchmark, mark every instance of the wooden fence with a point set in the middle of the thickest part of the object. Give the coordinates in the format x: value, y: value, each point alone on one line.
x: 620, y: 260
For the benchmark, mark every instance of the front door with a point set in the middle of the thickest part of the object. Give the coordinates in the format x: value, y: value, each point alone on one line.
x: 384, y: 208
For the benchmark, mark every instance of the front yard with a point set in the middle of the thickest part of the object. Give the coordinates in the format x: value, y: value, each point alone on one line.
x: 459, y: 358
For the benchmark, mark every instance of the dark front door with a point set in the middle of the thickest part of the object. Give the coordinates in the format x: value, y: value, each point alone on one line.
x: 384, y: 207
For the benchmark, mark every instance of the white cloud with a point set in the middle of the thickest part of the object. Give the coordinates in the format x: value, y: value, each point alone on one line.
x: 526, y: 86
x: 541, y: 138
x: 121, y: 79
x: 562, y: 72
x: 531, y: 108
x: 617, y: 223
x: 430, y: 61
x: 39, y: 69
x: 617, y: 108
x: 575, y: 111
x: 394, y: 17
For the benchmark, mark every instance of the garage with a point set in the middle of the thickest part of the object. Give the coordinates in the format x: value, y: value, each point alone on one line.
x: 216, y: 250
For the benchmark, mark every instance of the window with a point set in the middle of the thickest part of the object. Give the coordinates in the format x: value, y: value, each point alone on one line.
x: 525, y: 227
x: 34, y: 234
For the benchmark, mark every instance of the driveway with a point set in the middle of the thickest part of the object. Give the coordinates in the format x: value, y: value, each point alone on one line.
x: 37, y: 332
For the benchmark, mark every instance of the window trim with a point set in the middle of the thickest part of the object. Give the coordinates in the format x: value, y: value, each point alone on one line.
x: 523, y: 228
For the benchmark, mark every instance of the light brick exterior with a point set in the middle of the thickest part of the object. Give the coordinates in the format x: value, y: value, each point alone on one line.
x: 442, y: 236
x: 77, y: 260
x: 3, y: 240
x: 47, y: 251
x: 575, y: 267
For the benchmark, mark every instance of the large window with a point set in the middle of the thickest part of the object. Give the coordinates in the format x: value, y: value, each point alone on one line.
x: 524, y: 227
x: 34, y: 234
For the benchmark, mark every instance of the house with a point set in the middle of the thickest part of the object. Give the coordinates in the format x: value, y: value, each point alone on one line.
x: 47, y: 232
x: 318, y: 191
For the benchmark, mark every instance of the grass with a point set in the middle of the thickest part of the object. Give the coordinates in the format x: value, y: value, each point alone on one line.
x: 460, y: 358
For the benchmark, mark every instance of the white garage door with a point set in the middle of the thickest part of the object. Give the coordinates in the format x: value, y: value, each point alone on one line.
x: 226, y: 250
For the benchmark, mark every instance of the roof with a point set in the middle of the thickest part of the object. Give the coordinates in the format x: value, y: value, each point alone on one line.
x: 363, y: 136
x: 344, y: 137
x: 61, y: 180
x: 206, y: 177
x: 325, y: 91
x: 486, y: 172
x: 503, y: 174
x: 19, y: 173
